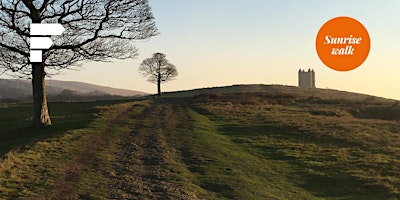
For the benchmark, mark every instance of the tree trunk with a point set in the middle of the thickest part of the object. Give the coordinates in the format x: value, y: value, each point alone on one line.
x: 41, y: 117
x: 159, y: 84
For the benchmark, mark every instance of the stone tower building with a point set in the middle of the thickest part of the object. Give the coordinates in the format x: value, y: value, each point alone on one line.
x: 306, y: 78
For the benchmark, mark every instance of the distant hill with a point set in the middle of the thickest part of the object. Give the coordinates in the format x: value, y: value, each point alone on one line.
x: 12, y: 90
x: 88, y: 88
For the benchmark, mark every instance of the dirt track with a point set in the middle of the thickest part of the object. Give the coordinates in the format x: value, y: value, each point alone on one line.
x: 142, y: 166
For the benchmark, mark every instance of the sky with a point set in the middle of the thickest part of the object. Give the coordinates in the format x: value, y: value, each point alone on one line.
x: 225, y: 42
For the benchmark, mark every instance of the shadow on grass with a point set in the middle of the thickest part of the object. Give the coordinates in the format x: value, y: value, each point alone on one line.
x: 319, y: 173
x: 281, y: 132
x: 16, y: 129
x: 333, y: 184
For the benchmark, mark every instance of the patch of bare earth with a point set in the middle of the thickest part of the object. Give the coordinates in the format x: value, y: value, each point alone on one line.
x: 86, y: 160
x: 143, y: 166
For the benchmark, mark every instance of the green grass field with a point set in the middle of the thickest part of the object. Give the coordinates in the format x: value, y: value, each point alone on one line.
x: 243, y: 144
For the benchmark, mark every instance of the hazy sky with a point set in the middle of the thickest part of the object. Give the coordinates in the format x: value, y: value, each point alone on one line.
x: 225, y: 42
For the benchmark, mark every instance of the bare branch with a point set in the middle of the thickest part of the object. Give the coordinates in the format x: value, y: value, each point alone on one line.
x: 158, y: 69
x: 96, y: 30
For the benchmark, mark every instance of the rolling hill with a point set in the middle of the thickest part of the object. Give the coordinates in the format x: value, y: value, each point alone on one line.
x: 17, y: 90
x: 235, y: 142
x: 88, y: 88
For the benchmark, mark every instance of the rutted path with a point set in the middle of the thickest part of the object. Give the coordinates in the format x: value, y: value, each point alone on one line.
x: 130, y: 157
x: 85, y: 161
x: 143, y: 167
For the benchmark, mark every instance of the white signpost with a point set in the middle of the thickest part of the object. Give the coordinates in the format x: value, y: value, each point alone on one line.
x: 41, y: 42
x: 46, y: 29
x: 38, y: 43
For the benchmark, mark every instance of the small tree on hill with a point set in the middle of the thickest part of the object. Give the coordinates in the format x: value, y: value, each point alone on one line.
x: 158, y: 70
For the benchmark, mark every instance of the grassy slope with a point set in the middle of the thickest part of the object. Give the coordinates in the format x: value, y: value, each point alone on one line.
x: 35, y: 160
x: 250, y: 151
x: 230, y: 171
x: 257, y: 145
x: 348, y: 159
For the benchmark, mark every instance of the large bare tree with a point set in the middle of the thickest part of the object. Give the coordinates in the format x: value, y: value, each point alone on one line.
x: 158, y: 70
x: 95, y: 30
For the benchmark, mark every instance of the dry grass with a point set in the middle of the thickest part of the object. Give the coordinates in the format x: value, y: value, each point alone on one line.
x: 263, y: 142
x: 332, y: 153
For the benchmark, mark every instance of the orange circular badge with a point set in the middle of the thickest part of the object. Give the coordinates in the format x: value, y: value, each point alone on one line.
x: 343, y: 43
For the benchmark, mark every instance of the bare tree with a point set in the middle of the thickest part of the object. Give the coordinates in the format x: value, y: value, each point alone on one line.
x: 95, y: 30
x: 158, y: 70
